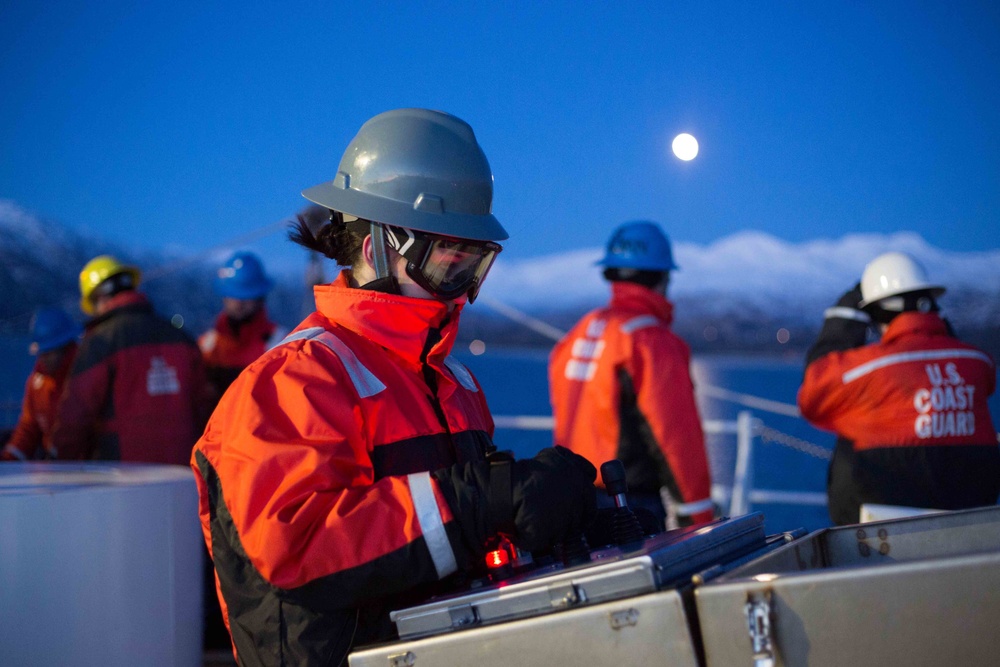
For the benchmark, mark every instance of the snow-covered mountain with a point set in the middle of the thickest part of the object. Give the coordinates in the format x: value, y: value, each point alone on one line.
x: 737, y: 292
x: 752, y: 267
x: 40, y: 262
x: 742, y: 289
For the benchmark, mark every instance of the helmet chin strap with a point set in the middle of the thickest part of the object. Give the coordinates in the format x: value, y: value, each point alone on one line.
x: 384, y: 280
x: 379, y: 254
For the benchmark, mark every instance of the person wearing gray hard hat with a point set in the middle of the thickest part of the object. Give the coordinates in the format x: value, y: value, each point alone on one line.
x: 350, y: 470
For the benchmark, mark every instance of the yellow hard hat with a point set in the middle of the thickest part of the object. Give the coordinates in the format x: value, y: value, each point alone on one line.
x: 96, y: 272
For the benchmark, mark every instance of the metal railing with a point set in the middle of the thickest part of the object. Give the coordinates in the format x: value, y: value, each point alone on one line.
x: 741, y: 496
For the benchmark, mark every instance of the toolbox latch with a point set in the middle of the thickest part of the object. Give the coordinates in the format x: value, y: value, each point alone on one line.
x: 563, y: 596
x: 463, y: 617
x: 759, y: 616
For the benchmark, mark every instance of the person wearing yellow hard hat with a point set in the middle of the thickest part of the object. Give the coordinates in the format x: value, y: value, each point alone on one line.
x: 105, y: 276
x: 137, y: 388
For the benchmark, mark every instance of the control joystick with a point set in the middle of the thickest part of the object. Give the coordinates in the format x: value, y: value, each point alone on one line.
x: 626, y: 528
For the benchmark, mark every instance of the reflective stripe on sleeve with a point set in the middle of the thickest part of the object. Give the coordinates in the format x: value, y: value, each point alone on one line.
x: 364, y: 380
x: 687, y: 509
x: 920, y: 355
x: 640, y: 322
x: 276, y: 338
x: 431, y: 524
x: 461, y: 373
x: 845, y: 313
x: 15, y: 452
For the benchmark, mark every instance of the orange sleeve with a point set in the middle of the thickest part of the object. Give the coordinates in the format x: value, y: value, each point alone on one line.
x: 288, y: 448
x: 660, y: 368
x: 27, y: 434
x: 823, y: 398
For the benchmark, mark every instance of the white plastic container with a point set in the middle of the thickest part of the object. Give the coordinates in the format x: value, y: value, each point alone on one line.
x: 100, y: 564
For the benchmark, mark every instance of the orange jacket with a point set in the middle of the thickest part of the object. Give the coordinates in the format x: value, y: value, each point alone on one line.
x: 914, y: 407
x: 228, y: 349
x: 918, y: 386
x: 136, y: 390
x: 620, y: 387
x: 38, y: 411
x: 316, y: 502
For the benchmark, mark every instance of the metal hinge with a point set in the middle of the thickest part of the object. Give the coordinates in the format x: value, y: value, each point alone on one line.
x: 407, y: 659
x: 759, y: 617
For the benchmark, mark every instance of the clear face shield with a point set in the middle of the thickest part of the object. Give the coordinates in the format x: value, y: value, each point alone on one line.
x: 445, y: 267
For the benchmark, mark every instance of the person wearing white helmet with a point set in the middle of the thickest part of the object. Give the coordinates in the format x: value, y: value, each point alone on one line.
x: 243, y: 330
x: 910, y: 411
x: 54, y: 337
x: 620, y: 384
x: 350, y: 470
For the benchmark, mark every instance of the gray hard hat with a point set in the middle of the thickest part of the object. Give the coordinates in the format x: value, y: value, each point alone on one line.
x: 419, y: 169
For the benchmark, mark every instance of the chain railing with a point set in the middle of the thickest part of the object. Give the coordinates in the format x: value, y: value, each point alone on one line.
x: 771, y: 435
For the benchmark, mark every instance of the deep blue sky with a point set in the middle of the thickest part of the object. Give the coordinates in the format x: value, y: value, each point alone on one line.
x: 191, y: 123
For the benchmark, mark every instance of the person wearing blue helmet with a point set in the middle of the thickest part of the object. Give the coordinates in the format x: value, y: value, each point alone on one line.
x: 54, y: 342
x: 620, y: 384
x: 242, y: 331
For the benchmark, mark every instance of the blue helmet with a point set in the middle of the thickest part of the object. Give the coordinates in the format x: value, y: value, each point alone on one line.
x: 243, y: 277
x: 51, y: 328
x: 639, y: 245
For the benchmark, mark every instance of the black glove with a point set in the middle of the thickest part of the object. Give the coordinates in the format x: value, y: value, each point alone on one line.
x: 852, y: 298
x: 554, y: 497
x: 540, y: 500
x: 845, y: 326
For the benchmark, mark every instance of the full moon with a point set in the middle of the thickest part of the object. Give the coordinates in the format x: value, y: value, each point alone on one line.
x: 685, y: 147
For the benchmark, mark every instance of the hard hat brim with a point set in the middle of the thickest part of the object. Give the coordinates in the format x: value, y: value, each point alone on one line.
x: 401, y: 214
x: 935, y: 290
x: 250, y: 293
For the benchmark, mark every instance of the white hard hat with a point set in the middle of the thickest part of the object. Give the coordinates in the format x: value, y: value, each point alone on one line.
x: 892, y: 274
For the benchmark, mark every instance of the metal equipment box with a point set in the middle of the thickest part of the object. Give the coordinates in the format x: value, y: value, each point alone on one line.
x: 639, y: 630
x: 622, y: 603
x: 922, y: 590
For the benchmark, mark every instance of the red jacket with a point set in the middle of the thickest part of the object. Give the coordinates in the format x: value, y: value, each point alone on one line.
x: 914, y: 406
x: 228, y: 349
x: 621, y: 388
x: 316, y: 502
x: 38, y: 411
x: 136, y: 390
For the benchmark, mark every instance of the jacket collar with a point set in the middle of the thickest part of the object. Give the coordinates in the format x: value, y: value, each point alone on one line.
x: 120, y: 301
x: 256, y: 327
x: 910, y: 323
x: 60, y: 372
x: 398, y: 323
x: 630, y: 296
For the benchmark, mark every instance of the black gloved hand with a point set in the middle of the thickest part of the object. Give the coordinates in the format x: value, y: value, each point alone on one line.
x: 845, y: 326
x: 851, y: 298
x: 542, y: 499
x: 554, y: 497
